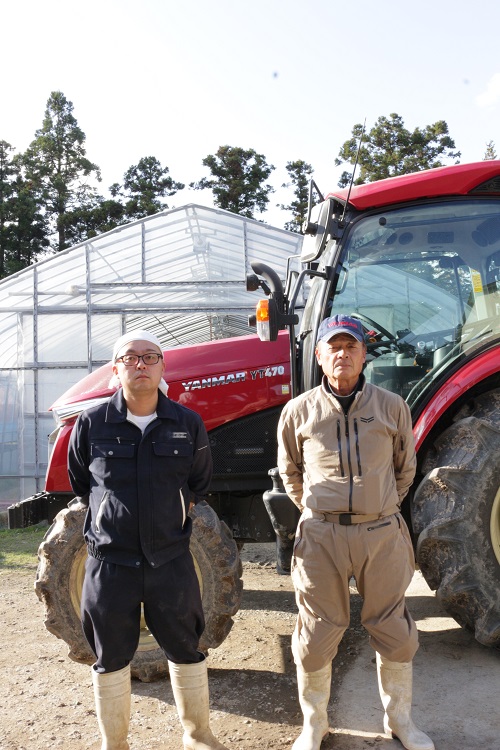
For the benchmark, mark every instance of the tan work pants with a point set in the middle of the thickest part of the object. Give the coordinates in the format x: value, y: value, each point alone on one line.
x: 379, y: 554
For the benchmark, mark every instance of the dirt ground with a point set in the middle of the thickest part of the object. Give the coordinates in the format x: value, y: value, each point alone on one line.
x: 46, y: 700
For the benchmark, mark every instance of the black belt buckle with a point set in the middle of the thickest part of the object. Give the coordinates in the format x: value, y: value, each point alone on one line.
x: 345, y: 519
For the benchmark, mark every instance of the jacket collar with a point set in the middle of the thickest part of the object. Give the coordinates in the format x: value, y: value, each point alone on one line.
x: 117, y: 408
x: 359, y: 387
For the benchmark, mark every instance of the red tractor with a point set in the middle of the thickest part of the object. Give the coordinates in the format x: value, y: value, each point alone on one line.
x: 417, y: 259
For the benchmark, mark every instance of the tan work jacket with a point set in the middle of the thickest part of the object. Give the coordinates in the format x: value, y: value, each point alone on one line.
x: 363, y: 462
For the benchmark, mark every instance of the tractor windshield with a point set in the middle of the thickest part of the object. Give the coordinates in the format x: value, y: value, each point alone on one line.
x: 425, y: 282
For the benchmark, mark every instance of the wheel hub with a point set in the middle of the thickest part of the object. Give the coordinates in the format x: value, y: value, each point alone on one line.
x: 495, y: 526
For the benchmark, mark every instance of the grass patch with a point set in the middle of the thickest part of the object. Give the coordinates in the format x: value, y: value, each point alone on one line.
x: 19, y: 547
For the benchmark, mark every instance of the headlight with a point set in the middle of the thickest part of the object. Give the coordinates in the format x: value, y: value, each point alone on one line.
x: 67, y: 412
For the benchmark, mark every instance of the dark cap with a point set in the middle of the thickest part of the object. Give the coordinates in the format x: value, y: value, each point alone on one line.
x: 340, y: 324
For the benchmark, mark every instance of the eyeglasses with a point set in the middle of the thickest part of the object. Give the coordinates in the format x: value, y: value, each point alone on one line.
x: 130, y: 360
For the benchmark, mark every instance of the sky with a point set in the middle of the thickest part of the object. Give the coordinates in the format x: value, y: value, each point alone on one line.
x: 176, y: 79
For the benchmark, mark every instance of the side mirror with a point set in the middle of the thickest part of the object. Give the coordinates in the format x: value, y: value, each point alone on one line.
x: 309, y: 226
x: 271, y: 314
x: 317, y: 231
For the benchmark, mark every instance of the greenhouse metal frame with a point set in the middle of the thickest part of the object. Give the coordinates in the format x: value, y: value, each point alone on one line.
x: 180, y: 273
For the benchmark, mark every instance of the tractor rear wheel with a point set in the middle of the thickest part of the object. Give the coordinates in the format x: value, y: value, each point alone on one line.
x: 456, y: 514
x: 61, y: 569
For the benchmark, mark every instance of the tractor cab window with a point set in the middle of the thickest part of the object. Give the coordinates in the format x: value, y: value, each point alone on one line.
x: 425, y: 282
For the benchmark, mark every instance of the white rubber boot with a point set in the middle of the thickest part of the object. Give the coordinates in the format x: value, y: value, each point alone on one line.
x: 190, y: 688
x: 112, y: 703
x: 395, y: 685
x: 314, y: 694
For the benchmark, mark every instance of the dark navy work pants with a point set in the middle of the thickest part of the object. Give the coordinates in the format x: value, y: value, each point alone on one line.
x: 111, y: 610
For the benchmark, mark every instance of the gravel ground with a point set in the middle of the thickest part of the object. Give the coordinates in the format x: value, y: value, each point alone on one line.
x: 46, y: 700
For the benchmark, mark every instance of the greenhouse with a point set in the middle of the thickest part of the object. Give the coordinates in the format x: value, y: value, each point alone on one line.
x: 180, y: 273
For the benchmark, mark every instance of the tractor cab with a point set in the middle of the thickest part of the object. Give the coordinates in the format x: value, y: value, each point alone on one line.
x: 425, y: 282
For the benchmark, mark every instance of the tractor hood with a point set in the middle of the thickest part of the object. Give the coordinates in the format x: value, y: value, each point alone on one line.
x: 221, y: 380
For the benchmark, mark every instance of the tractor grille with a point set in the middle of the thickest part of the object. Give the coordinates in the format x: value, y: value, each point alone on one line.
x: 247, y: 446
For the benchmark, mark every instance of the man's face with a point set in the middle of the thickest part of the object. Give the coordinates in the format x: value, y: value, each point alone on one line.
x: 342, y: 358
x: 140, y: 378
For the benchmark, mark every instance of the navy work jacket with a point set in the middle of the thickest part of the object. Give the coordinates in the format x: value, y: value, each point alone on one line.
x: 138, y: 486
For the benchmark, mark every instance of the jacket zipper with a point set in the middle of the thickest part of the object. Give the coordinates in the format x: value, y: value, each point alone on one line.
x: 351, y: 479
x: 339, y: 441
x: 358, y: 456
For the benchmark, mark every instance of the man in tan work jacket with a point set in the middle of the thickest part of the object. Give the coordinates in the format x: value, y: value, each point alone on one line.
x: 346, y: 456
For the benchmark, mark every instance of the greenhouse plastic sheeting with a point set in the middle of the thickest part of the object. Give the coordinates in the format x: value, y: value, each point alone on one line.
x: 180, y: 273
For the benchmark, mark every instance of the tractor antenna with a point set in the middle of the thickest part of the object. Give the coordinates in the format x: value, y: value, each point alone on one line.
x: 354, y: 170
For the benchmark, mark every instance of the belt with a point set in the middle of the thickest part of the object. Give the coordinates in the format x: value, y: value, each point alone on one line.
x: 347, y: 519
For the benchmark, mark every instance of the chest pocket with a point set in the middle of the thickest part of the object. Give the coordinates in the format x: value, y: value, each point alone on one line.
x: 112, y: 450
x: 173, y: 450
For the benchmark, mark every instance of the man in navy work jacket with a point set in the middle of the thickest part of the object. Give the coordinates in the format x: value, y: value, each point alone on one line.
x: 138, y: 462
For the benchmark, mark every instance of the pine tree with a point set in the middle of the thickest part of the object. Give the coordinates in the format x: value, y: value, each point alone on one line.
x: 490, y: 152
x: 145, y: 184
x: 56, y: 164
x: 300, y: 174
x: 237, y: 180
x: 389, y: 149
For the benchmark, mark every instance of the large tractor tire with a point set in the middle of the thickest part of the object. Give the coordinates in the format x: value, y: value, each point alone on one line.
x: 456, y: 513
x: 62, y: 556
